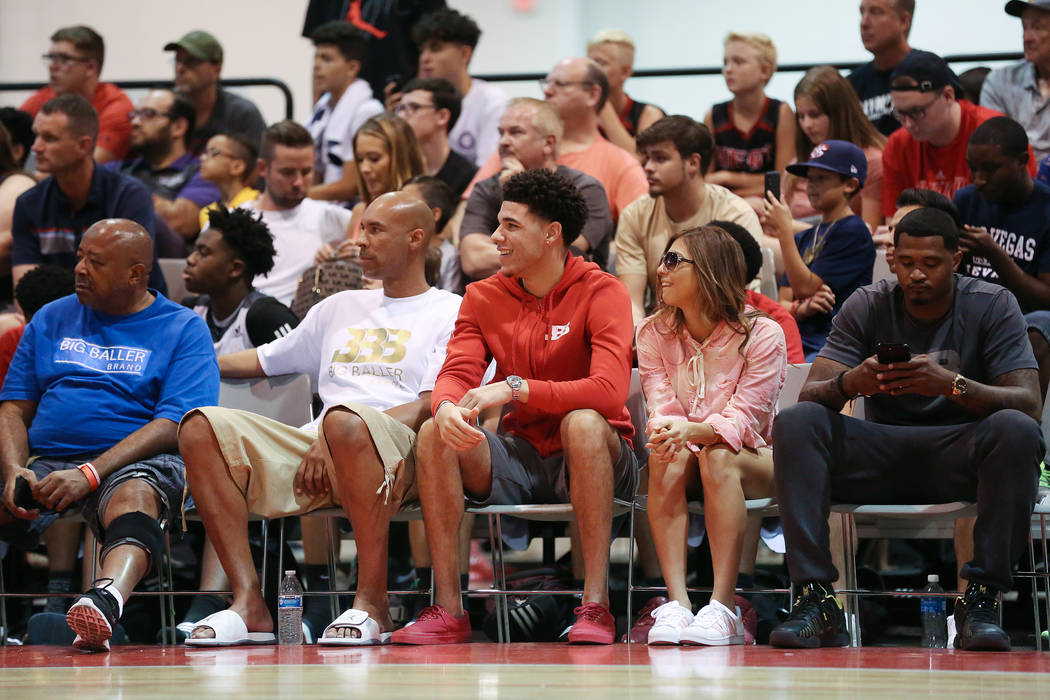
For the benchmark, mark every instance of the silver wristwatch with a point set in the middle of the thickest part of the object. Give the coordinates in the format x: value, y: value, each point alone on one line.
x: 514, y: 382
x: 959, y: 385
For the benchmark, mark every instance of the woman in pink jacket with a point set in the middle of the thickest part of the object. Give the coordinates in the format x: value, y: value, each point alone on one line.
x: 712, y: 369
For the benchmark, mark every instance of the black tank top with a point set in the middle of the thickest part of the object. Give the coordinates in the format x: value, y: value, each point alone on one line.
x: 753, y: 152
x: 630, y: 116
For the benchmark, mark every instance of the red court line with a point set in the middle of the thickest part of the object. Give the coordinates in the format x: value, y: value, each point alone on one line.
x: 526, y: 654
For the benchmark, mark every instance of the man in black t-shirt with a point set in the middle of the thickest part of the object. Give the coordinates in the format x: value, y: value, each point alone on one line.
x: 884, y: 29
x: 431, y: 107
x: 957, y: 421
x: 227, y: 256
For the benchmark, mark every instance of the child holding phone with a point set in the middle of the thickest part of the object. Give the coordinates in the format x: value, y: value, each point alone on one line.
x: 826, y: 263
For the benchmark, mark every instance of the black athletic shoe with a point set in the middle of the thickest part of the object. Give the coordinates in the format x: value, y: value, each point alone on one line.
x: 92, y: 617
x: 977, y: 621
x: 816, y: 620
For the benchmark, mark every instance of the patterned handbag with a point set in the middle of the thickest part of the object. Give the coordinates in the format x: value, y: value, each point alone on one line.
x: 323, y: 280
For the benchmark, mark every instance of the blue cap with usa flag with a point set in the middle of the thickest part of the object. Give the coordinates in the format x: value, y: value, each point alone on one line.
x: 840, y: 157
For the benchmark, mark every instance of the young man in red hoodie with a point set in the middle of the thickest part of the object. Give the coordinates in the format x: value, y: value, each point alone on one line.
x: 560, y: 332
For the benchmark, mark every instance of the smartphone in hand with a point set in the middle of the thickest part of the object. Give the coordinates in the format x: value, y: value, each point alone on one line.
x: 888, y: 353
x: 772, y: 183
x: 24, y: 494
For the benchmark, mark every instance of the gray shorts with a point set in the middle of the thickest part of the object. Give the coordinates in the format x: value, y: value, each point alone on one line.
x: 521, y: 476
x: 165, y: 473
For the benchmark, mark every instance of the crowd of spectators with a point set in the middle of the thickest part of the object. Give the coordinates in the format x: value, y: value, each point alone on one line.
x: 518, y: 256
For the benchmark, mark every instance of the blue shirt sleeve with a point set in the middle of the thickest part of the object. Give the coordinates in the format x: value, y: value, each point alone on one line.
x: 192, y: 378
x: 1043, y: 175
x: 200, y: 191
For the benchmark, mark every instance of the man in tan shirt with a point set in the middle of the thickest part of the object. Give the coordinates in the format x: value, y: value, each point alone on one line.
x: 676, y: 152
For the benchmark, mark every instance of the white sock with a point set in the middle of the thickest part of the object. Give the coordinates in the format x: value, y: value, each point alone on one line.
x: 112, y: 590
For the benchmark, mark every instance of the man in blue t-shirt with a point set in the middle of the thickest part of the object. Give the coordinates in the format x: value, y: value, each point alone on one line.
x: 50, y: 218
x: 1006, y: 226
x: 89, y: 413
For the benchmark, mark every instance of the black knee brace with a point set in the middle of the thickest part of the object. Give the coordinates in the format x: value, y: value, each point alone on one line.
x: 137, y: 529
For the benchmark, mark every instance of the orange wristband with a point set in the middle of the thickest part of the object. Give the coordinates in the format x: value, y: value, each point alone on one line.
x: 89, y: 472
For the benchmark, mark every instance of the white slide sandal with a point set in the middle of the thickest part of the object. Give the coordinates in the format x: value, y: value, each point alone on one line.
x: 360, y: 621
x: 230, y: 631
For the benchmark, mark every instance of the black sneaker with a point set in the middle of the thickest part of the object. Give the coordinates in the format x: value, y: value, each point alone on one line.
x: 92, y: 617
x: 977, y: 621
x: 816, y: 620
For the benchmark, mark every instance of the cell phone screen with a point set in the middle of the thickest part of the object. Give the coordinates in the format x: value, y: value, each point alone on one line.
x: 772, y: 183
x: 887, y: 353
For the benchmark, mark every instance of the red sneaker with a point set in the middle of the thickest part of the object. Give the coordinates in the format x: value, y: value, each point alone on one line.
x: 594, y: 625
x: 639, y: 633
x: 434, y: 626
x: 749, y: 618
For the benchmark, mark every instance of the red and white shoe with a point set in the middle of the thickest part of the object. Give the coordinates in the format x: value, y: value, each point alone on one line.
x: 92, y: 617
x: 715, y: 625
x: 434, y: 625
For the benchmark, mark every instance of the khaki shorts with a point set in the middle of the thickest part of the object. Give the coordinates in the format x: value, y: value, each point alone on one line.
x: 263, y: 455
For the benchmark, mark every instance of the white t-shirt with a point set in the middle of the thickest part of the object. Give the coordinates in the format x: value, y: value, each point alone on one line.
x: 333, y: 129
x: 366, y: 347
x: 297, y: 234
x: 476, y: 133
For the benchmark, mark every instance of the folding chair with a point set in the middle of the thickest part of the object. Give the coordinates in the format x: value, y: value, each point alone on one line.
x: 559, y: 512
x: 916, y: 521
x: 1038, y: 530
x: 758, y: 507
x: 407, y: 515
x: 171, y: 269
x: 286, y: 398
x: 164, y: 578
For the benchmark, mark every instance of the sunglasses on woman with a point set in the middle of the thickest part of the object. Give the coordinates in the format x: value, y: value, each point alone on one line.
x: 671, y: 260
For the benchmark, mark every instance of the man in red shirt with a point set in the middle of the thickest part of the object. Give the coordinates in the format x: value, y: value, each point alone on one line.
x: 74, y: 63
x: 930, y: 151
x: 560, y: 332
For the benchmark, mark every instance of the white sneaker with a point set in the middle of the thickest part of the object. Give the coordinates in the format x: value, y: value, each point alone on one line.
x: 715, y: 625
x: 670, y: 619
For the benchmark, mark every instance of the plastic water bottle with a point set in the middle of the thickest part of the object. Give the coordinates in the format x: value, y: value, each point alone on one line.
x: 290, y: 611
x: 934, y: 615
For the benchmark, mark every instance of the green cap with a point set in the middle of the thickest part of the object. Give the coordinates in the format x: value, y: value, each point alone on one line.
x: 199, y: 44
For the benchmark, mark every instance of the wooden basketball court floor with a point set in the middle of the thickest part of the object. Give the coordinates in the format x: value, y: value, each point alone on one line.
x: 510, y: 671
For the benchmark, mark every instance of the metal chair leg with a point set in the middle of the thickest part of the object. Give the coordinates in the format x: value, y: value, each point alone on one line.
x: 850, y: 564
x: 1046, y: 567
x: 4, y: 629
x: 169, y: 584
x: 280, y: 555
x: 503, y: 602
x: 630, y: 568
x: 265, y: 532
x: 1035, y: 591
x: 333, y: 542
